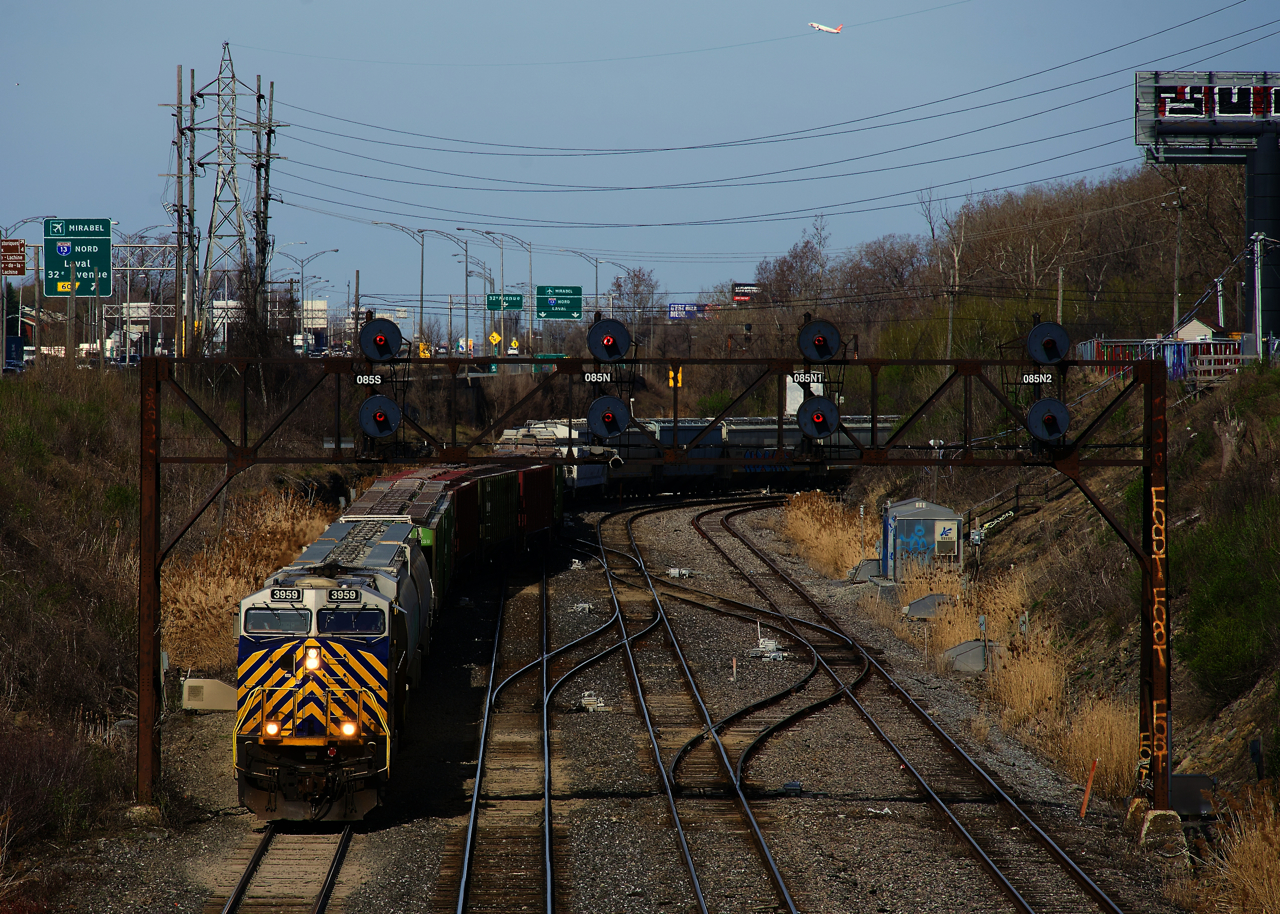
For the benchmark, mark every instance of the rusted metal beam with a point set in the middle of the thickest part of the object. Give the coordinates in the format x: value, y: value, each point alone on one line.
x: 149, y: 685
x: 1155, y: 684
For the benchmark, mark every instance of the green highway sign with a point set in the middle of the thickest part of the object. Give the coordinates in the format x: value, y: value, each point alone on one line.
x: 559, y: 302
x: 511, y: 301
x: 84, y: 242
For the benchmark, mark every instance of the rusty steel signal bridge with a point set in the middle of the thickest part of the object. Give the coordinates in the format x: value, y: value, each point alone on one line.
x: 1000, y: 443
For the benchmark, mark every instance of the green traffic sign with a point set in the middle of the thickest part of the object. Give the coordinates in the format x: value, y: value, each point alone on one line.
x: 559, y: 302
x: 511, y: 301
x: 84, y: 242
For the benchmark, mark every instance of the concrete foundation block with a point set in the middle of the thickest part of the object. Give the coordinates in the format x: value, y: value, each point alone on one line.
x: 143, y: 816
x: 1138, y: 809
x: 1162, y: 835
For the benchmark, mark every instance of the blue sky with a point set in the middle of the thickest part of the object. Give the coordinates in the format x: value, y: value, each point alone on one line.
x: 510, y: 117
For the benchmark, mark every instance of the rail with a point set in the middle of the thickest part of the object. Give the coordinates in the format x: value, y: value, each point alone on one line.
x: 1060, y: 856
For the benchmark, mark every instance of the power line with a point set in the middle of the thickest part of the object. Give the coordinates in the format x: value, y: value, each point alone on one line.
x: 795, y: 134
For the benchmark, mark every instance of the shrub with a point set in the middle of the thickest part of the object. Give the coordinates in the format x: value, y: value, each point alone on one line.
x: 1233, y: 599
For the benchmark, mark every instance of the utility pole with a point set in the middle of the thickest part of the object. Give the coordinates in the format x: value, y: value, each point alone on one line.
x: 355, y: 316
x: 179, y: 300
x: 1177, y: 257
x: 1264, y: 351
x: 1060, y: 271
x: 1221, y: 315
x: 189, y: 293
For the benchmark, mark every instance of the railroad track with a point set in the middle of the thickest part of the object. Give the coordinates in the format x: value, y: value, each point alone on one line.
x: 286, y: 873
x: 696, y: 743
x: 1028, y: 866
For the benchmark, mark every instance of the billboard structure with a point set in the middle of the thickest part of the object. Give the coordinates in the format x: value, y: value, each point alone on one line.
x: 1219, y: 118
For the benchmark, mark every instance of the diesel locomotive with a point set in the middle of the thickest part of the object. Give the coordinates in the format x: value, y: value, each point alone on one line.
x: 332, y: 645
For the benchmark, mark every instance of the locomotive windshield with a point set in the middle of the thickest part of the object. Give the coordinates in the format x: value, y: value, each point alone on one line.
x: 351, y: 622
x: 266, y: 621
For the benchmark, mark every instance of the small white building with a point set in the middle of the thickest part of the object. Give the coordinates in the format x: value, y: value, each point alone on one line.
x: 1197, y: 329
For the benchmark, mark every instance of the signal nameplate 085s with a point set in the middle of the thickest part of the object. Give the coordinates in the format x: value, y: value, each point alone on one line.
x: 344, y: 596
x: 287, y: 594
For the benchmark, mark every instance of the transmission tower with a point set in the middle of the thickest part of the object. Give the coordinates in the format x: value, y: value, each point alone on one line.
x: 226, y: 246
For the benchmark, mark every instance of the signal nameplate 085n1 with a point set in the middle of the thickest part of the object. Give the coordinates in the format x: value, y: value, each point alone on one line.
x: 287, y: 594
x: 344, y: 596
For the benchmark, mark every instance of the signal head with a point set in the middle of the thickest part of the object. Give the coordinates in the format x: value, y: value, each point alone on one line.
x: 819, y: 341
x: 609, y: 340
x: 1048, y: 343
x: 1048, y: 419
x: 608, y: 417
x: 817, y: 417
x: 380, y: 340
x: 379, y: 416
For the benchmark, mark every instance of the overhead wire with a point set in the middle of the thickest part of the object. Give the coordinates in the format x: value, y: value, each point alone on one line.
x: 756, y: 139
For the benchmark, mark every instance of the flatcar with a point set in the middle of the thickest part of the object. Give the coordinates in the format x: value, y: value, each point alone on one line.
x: 332, y: 645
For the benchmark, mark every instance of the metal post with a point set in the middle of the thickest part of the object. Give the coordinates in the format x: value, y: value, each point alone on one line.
x: 1156, y: 737
x: 71, y: 318
x: 35, y: 331
x: 101, y: 323
x: 189, y: 297
x: 422, y: 268
x: 1221, y: 315
x: 149, y: 683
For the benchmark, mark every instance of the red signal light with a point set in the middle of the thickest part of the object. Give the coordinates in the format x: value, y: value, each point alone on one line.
x: 819, y: 419
x: 819, y: 340
x: 380, y: 416
x: 380, y: 340
x: 607, y: 340
x: 608, y: 417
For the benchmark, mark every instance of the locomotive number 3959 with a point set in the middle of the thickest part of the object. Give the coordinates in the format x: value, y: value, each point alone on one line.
x: 344, y: 596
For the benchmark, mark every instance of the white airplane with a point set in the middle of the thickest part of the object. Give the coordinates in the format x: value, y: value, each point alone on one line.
x: 827, y: 28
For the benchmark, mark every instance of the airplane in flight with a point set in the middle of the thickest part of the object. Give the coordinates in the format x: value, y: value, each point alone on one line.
x: 827, y: 28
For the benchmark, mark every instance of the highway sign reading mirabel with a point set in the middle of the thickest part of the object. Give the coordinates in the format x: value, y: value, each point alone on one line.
x: 87, y: 243
x: 560, y: 302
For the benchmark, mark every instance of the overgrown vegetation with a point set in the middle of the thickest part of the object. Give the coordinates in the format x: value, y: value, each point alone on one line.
x: 202, y: 591
x: 1027, y: 676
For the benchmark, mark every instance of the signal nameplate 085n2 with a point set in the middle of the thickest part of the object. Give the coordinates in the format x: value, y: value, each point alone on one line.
x: 344, y: 596
x: 286, y: 594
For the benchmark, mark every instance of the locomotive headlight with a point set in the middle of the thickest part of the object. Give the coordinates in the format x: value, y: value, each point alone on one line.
x: 313, y: 658
x: 272, y: 728
x: 348, y: 728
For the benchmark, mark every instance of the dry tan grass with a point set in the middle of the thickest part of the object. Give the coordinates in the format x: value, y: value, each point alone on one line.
x: 1242, y: 874
x: 201, y: 592
x: 829, y: 534
x: 1105, y: 729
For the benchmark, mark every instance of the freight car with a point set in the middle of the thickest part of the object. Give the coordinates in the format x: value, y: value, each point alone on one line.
x: 332, y: 644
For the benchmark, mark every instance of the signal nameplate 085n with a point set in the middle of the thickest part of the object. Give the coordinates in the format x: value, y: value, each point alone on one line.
x: 344, y: 596
x: 287, y: 594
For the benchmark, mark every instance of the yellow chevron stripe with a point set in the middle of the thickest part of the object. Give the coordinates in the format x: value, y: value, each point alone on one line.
x: 377, y: 679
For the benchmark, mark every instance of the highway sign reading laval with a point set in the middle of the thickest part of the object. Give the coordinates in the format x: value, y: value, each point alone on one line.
x: 87, y: 243
x: 560, y: 302
x: 510, y: 301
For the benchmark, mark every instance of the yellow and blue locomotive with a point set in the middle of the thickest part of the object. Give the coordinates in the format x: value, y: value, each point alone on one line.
x: 330, y: 647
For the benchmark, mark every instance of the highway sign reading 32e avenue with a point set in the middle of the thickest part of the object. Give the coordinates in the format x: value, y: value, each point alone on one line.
x: 559, y: 302
x: 87, y: 243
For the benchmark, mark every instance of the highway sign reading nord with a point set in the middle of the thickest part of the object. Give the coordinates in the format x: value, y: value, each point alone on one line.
x: 510, y: 301
x: 84, y: 242
x: 559, y: 302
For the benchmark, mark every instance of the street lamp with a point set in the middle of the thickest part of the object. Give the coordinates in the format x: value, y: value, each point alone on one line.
x: 302, y: 270
x: 416, y: 235
x: 533, y: 302
x: 1179, y: 205
x: 625, y: 269
x: 594, y: 261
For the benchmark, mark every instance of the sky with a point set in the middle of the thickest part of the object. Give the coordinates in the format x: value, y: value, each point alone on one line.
x: 690, y: 139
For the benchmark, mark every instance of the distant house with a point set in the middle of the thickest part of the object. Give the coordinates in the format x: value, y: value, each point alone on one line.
x: 1197, y: 329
